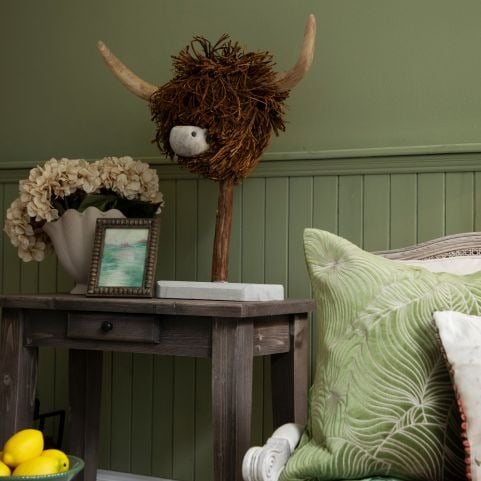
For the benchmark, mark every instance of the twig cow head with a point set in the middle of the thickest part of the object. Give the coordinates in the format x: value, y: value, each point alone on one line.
x: 217, y: 114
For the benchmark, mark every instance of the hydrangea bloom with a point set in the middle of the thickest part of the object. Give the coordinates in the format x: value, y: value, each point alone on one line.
x: 59, y: 180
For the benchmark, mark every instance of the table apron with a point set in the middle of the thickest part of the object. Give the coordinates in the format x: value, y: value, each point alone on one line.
x: 145, y: 333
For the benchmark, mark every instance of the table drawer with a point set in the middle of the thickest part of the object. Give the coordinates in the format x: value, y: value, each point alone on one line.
x: 108, y: 327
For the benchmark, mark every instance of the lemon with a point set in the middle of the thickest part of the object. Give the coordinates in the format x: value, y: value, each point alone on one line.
x: 4, y: 469
x: 36, y: 466
x: 22, y: 446
x: 60, y: 456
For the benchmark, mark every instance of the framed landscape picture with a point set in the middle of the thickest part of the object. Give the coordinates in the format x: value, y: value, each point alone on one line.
x: 124, y: 258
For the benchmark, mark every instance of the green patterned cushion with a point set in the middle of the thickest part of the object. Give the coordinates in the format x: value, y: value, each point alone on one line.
x: 381, y: 403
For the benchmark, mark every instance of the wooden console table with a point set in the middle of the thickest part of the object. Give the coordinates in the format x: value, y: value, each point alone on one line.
x: 230, y: 333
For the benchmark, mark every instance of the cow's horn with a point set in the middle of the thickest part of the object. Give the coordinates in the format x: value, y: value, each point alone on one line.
x: 288, y: 80
x: 134, y: 83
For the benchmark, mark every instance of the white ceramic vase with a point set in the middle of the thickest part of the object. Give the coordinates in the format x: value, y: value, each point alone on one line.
x: 72, y: 236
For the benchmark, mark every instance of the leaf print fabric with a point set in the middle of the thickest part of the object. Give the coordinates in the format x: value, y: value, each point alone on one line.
x: 381, y: 403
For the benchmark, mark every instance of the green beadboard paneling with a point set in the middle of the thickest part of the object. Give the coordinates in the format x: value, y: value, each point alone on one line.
x: 163, y: 367
x: 253, y: 230
x: 166, y: 252
x: 477, y: 201
x: 105, y: 412
x: 186, y: 255
x: 11, y: 271
x: 431, y: 206
x: 206, y: 210
x: 253, y: 256
x: 351, y: 197
x: 47, y: 275
x: 64, y: 281
x: 276, y: 265
x: 203, y: 468
x: 376, y: 212
x: 142, y: 395
x: 300, y: 217
x: 162, y: 417
x: 183, y: 442
x: 121, y: 427
x: 207, y: 206
x: 403, y: 209
x: 325, y: 202
x: 459, y: 202
x: 186, y: 230
x: 3, y: 237
x: 29, y: 277
x: 276, y: 230
x: 156, y: 417
x: 325, y: 205
x: 236, y: 250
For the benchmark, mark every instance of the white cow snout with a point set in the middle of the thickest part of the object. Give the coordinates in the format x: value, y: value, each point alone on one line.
x: 188, y: 141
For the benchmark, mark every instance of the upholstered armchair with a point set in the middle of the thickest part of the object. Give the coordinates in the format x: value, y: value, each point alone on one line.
x: 453, y: 281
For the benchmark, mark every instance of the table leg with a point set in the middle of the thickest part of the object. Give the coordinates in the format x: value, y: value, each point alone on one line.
x: 232, y: 358
x: 18, y: 375
x: 85, y: 382
x: 289, y: 372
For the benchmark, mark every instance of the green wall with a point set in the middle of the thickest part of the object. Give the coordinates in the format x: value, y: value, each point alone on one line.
x: 382, y: 146
x: 387, y: 74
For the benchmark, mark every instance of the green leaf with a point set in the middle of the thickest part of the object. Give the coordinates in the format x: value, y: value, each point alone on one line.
x: 137, y: 208
x: 103, y: 202
x: 130, y: 208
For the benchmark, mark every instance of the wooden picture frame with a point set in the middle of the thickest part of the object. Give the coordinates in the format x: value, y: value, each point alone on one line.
x: 124, y: 258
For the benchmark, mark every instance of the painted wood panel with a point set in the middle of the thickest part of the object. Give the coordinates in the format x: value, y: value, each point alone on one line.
x: 477, y: 201
x: 431, y: 206
x: 459, y: 202
x: 403, y: 210
x: 253, y: 255
x: 300, y: 216
x: 162, y: 418
x: 350, y: 214
x: 186, y: 255
x: 206, y: 208
x: 156, y: 416
x: 376, y: 215
x: 121, y: 412
x: 142, y: 397
x: 106, y: 410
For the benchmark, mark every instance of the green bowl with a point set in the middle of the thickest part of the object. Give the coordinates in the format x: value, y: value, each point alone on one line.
x: 76, y: 465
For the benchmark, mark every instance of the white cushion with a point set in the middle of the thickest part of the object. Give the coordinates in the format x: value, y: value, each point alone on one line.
x: 461, y: 339
x: 461, y: 265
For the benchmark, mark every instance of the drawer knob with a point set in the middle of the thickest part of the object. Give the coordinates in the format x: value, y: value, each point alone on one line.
x: 106, y: 326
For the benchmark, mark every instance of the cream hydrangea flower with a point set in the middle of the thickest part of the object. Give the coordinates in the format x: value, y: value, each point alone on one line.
x: 32, y: 243
x: 130, y: 178
x: 59, y: 179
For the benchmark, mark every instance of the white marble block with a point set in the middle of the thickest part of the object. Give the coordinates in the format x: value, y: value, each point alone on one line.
x: 220, y: 291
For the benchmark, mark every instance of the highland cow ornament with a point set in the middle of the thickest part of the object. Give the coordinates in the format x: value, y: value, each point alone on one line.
x: 217, y: 114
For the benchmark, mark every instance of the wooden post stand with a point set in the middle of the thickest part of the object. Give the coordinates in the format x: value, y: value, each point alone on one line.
x: 223, y: 223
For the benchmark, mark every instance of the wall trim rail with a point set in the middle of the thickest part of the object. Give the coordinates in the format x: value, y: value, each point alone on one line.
x: 390, y: 160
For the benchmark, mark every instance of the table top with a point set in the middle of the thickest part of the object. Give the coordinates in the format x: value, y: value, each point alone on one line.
x: 177, y: 307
